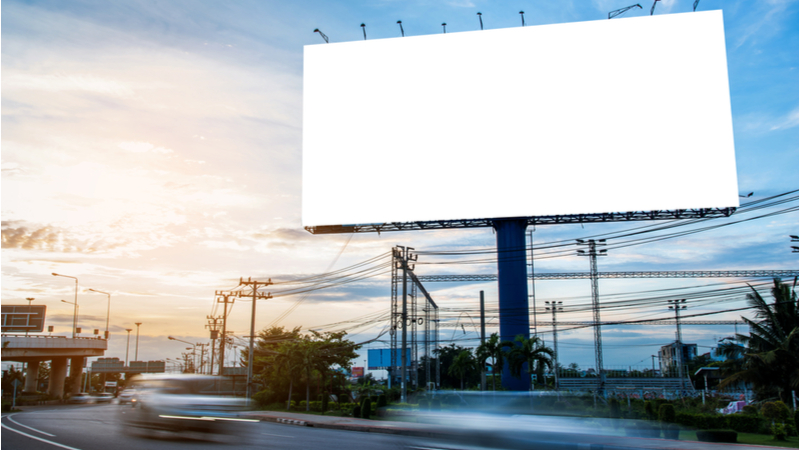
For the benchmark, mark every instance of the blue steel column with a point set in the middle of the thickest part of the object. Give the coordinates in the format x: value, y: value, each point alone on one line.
x: 512, y: 285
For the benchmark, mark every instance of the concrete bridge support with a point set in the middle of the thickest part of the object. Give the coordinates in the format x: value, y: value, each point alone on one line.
x: 58, y: 373
x: 75, y: 370
x: 31, y: 376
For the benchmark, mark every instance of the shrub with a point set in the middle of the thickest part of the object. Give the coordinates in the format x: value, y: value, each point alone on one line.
x: 382, y: 401
x: 264, y: 397
x: 666, y: 413
x: 672, y: 431
x: 648, y: 409
x: 775, y: 411
x: 779, y: 432
x: 366, y: 408
x: 744, y: 423
x: 613, y: 406
x: 325, y: 398
x: 728, y: 436
x: 357, y: 411
x: 750, y: 410
x: 423, y: 403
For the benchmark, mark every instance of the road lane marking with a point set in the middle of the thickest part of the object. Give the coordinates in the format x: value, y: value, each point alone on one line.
x: 30, y: 428
x: 38, y: 438
x: 279, y: 435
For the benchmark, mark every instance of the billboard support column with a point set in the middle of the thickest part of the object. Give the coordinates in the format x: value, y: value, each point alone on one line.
x: 512, y: 287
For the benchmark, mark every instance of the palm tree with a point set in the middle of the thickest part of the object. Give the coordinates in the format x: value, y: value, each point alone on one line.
x: 463, y: 362
x: 529, y: 351
x: 287, y: 362
x: 493, y: 348
x: 770, y: 360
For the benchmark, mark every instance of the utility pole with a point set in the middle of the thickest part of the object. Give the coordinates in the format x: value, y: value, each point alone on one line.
x: 402, y: 255
x: 554, y: 308
x: 256, y: 295
x: 224, y: 300
x: 128, y: 346
x: 212, y: 326
x: 483, y: 341
x: 533, y: 284
x: 202, y: 356
x: 678, y: 305
x: 592, y: 253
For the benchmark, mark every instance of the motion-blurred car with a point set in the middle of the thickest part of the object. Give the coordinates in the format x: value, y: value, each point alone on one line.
x: 126, y: 396
x: 103, y: 397
x: 182, y: 403
x: 81, y: 398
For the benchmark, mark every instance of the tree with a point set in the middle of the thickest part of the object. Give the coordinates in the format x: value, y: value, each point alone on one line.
x: 531, y: 351
x: 445, y: 356
x: 770, y: 361
x: 493, y: 348
x: 462, y: 364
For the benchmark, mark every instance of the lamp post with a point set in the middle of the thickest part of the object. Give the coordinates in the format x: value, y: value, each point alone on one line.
x: 137, y: 340
x: 74, y: 317
x: 108, y: 312
x: 28, y: 321
x: 193, y: 349
x: 75, y: 310
x: 128, y: 346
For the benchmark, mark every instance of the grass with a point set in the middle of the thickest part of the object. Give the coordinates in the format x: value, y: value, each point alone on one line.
x: 749, y: 438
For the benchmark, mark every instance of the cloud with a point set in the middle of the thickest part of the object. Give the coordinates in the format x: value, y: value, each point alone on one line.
x: 142, y: 147
x: 790, y: 120
x: 45, y: 238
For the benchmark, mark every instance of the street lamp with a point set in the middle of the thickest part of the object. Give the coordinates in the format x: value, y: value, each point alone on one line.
x: 75, y: 312
x: 108, y: 313
x: 128, y: 346
x: 137, y: 340
x: 74, y: 317
x: 28, y: 321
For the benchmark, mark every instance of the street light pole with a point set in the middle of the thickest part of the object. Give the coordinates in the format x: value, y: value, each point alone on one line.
x: 28, y: 321
x: 75, y: 311
x: 108, y: 312
x: 137, y: 340
x: 128, y: 346
x: 194, y: 349
x: 75, y: 316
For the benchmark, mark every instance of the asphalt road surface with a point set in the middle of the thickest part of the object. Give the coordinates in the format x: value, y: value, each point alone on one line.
x: 99, y: 427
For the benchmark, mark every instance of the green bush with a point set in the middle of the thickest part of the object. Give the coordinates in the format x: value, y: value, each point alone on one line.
x: 382, y: 401
x: 750, y: 410
x: 366, y: 408
x: 744, y: 423
x: 778, y: 430
x: 728, y: 436
x: 775, y: 411
x: 613, y: 406
x: 423, y: 403
x: 357, y: 411
x: 648, y: 409
x: 666, y: 413
x: 672, y: 431
x: 264, y: 398
x: 325, y: 398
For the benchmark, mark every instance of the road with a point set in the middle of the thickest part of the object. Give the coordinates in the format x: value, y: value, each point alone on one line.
x: 98, y: 427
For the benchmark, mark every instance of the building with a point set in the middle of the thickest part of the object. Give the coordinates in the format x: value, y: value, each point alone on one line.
x: 668, y: 357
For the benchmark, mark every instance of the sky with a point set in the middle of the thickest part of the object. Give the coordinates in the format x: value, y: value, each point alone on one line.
x: 153, y: 150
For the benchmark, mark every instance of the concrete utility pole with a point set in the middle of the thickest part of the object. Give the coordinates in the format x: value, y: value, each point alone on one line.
x: 255, y: 295
x: 554, y: 308
x: 483, y: 341
x: 224, y: 300
x: 212, y: 326
x: 402, y: 256
x: 678, y: 305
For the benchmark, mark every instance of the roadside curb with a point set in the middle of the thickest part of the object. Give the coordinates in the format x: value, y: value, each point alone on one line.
x: 354, y: 427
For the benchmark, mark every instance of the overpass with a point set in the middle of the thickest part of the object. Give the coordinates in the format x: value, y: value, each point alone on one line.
x: 56, y: 349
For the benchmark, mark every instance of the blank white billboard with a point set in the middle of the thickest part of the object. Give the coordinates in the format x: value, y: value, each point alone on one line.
x: 607, y: 116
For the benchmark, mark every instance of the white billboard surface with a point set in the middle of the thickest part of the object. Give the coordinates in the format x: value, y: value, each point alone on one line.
x: 607, y: 116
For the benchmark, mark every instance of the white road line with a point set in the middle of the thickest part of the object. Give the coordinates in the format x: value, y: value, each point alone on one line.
x: 279, y: 435
x: 30, y: 428
x: 38, y: 438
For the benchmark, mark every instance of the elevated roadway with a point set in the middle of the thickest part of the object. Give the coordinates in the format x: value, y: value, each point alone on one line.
x: 56, y: 349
